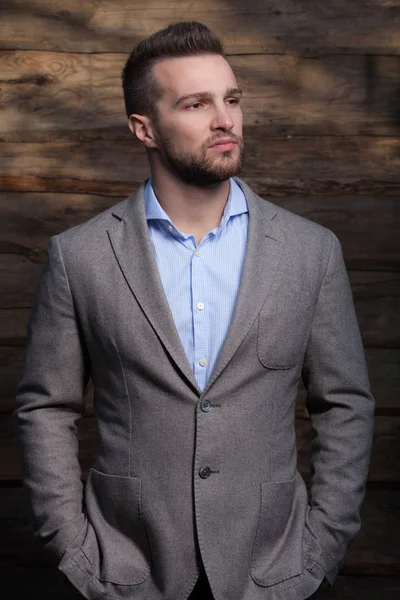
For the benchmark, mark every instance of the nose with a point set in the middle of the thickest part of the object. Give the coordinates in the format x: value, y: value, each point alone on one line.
x: 222, y: 119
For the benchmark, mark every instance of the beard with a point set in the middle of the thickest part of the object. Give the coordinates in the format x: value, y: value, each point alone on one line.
x: 196, y: 168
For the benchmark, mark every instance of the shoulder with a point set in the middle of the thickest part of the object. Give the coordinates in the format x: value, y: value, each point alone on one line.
x: 96, y: 224
x: 91, y: 235
x: 296, y: 231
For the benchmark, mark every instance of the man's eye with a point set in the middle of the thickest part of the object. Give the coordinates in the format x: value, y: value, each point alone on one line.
x: 233, y: 100
x: 195, y: 105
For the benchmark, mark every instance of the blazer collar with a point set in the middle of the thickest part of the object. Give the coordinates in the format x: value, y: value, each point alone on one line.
x: 131, y: 242
x: 263, y: 253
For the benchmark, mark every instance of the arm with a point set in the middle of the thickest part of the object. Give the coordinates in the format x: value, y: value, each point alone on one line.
x: 341, y: 408
x: 49, y: 402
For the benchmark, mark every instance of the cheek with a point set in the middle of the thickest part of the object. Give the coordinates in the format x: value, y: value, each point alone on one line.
x: 190, y: 131
x: 238, y: 120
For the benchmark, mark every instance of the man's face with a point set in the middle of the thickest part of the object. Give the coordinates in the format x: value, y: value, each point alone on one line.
x: 199, y: 106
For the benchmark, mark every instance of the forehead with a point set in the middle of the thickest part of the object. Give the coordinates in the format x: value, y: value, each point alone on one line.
x: 190, y: 74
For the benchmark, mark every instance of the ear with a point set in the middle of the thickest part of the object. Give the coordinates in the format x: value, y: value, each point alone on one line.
x: 140, y: 125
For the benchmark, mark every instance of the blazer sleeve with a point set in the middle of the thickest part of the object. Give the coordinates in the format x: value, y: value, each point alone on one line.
x: 341, y: 408
x: 50, y: 399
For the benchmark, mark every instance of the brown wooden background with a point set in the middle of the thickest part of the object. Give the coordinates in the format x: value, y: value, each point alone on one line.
x: 322, y: 118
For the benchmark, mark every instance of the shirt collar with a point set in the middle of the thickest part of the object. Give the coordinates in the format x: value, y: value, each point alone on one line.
x: 236, y: 204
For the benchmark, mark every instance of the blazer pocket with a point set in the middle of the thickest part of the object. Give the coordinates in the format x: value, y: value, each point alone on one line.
x: 282, y: 337
x: 282, y: 544
x: 116, y: 544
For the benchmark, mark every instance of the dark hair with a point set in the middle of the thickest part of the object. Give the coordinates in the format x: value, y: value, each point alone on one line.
x: 188, y: 38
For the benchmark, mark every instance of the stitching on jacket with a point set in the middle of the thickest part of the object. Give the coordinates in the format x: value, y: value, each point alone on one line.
x: 129, y: 406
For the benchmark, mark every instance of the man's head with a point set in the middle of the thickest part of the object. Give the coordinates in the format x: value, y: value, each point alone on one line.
x: 181, y: 97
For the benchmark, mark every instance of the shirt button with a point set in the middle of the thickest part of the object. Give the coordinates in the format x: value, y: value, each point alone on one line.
x: 204, y: 472
x: 203, y: 362
x: 198, y: 253
x: 200, y: 305
x: 206, y: 406
x: 170, y: 228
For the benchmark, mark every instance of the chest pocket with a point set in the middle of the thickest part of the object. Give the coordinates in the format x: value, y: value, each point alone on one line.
x: 282, y: 334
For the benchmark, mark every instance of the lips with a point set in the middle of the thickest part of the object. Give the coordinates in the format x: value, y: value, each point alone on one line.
x: 224, y: 142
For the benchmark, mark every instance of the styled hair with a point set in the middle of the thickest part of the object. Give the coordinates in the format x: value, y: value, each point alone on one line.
x: 188, y: 38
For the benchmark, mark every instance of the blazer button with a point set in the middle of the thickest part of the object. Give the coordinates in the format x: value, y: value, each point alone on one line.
x: 204, y: 472
x: 206, y: 406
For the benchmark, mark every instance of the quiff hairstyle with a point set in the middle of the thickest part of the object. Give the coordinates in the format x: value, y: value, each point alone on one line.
x: 188, y: 38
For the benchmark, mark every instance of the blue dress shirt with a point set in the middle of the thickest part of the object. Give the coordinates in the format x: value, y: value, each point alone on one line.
x: 201, y: 281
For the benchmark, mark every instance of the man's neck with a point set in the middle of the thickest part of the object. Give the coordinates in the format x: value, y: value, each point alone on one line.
x: 192, y: 209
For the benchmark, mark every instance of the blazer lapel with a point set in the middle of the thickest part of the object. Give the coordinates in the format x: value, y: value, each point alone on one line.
x: 263, y: 254
x: 134, y: 252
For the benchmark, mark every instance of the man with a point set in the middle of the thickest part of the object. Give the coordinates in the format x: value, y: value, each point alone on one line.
x: 195, y: 307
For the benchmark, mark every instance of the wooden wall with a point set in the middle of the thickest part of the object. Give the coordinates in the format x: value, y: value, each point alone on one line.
x: 322, y: 118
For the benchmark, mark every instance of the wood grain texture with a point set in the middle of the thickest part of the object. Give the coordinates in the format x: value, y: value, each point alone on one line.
x: 321, y: 85
x: 19, y: 276
x: 69, y: 96
x: 11, y: 364
x: 283, y: 26
x: 277, y: 166
x: 13, y: 326
x: 384, y: 373
x: 29, y: 220
x: 368, y: 227
x: 377, y: 299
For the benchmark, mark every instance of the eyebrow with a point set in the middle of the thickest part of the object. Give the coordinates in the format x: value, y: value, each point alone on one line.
x: 229, y: 92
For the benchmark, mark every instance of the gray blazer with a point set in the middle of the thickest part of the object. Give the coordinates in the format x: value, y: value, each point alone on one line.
x: 182, y: 475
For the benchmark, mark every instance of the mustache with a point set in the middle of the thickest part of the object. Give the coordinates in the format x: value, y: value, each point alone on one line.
x: 235, y: 138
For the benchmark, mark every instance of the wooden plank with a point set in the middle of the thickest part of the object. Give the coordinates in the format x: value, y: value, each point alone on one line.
x: 13, y: 326
x: 276, y: 166
x: 92, y: 167
x: 260, y: 26
x: 60, y: 95
x: 367, y: 226
x: 384, y: 373
x: 375, y: 551
x: 71, y: 96
x: 29, y: 220
x: 19, y: 276
x: 377, y: 300
x: 11, y: 363
x: 385, y: 462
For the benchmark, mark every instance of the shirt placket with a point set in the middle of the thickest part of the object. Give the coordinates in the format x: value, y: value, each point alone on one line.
x: 201, y: 316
